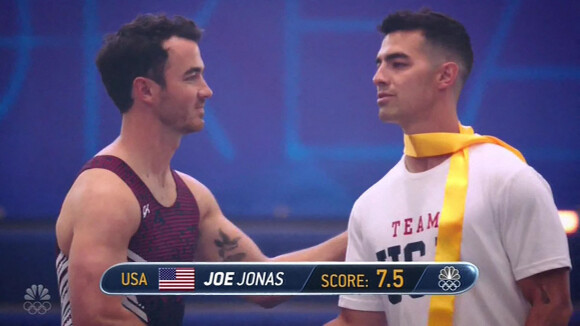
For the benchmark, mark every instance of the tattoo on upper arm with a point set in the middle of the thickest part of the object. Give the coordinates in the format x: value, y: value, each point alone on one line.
x: 226, y: 245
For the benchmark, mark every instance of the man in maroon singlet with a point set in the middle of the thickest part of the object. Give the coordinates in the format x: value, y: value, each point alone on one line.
x: 127, y: 204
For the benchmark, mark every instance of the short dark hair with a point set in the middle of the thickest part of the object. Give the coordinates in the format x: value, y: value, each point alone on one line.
x: 438, y: 29
x: 136, y: 50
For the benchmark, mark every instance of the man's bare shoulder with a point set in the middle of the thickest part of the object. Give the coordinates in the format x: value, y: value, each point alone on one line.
x: 192, y: 182
x: 98, y: 201
x: 100, y: 190
x: 199, y: 190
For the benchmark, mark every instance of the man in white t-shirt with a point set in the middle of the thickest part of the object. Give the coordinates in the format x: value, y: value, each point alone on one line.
x: 510, y: 231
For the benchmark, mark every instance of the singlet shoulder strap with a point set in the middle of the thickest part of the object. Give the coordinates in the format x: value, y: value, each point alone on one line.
x: 180, y: 184
x: 123, y: 171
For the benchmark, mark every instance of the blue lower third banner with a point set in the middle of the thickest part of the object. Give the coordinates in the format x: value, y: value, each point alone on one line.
x: 289, y: 278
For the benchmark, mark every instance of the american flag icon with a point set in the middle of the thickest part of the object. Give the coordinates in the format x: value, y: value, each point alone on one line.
x: 177, y: 279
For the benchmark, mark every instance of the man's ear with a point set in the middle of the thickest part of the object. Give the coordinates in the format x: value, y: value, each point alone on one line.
x: 145, y: 90
x: 448, y: 75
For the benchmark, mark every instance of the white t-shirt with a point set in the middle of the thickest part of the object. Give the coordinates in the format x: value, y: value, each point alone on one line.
x: 511, y: 230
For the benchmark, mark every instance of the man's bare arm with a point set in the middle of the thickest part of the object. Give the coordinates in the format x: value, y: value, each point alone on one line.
x: 221, y: 240
x: 94, y: 229
x: 549, y: 295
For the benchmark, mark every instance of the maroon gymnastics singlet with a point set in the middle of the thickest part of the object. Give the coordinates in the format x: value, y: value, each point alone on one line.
x: 166, y: 234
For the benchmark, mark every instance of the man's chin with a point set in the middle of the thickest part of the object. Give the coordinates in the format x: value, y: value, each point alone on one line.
x: 386, y: 116
x: 194, y: 128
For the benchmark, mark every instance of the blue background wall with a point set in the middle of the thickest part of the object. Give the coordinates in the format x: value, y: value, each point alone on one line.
x: 292, y: 128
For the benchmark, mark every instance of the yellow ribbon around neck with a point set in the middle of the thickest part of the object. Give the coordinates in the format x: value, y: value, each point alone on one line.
x: 451, y: 221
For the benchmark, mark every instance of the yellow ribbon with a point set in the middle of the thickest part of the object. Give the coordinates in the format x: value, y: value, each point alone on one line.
x: 451, y: 220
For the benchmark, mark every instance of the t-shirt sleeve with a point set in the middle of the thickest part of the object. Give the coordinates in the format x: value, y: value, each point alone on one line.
x: 356, y: 252
x: 533, y: 236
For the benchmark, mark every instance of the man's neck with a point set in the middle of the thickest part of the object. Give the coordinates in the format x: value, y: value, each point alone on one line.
x: 430, y: 125
x: 147, y: 147
x: 422, y: 164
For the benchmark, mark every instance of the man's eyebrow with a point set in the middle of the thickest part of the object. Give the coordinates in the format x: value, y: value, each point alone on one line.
x: 192, y: 70
x: 396, y: 55
x: 392, y: 57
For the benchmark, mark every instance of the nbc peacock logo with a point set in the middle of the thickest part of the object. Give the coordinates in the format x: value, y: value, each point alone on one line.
x: 37, y: 300
x: 449, y: 278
